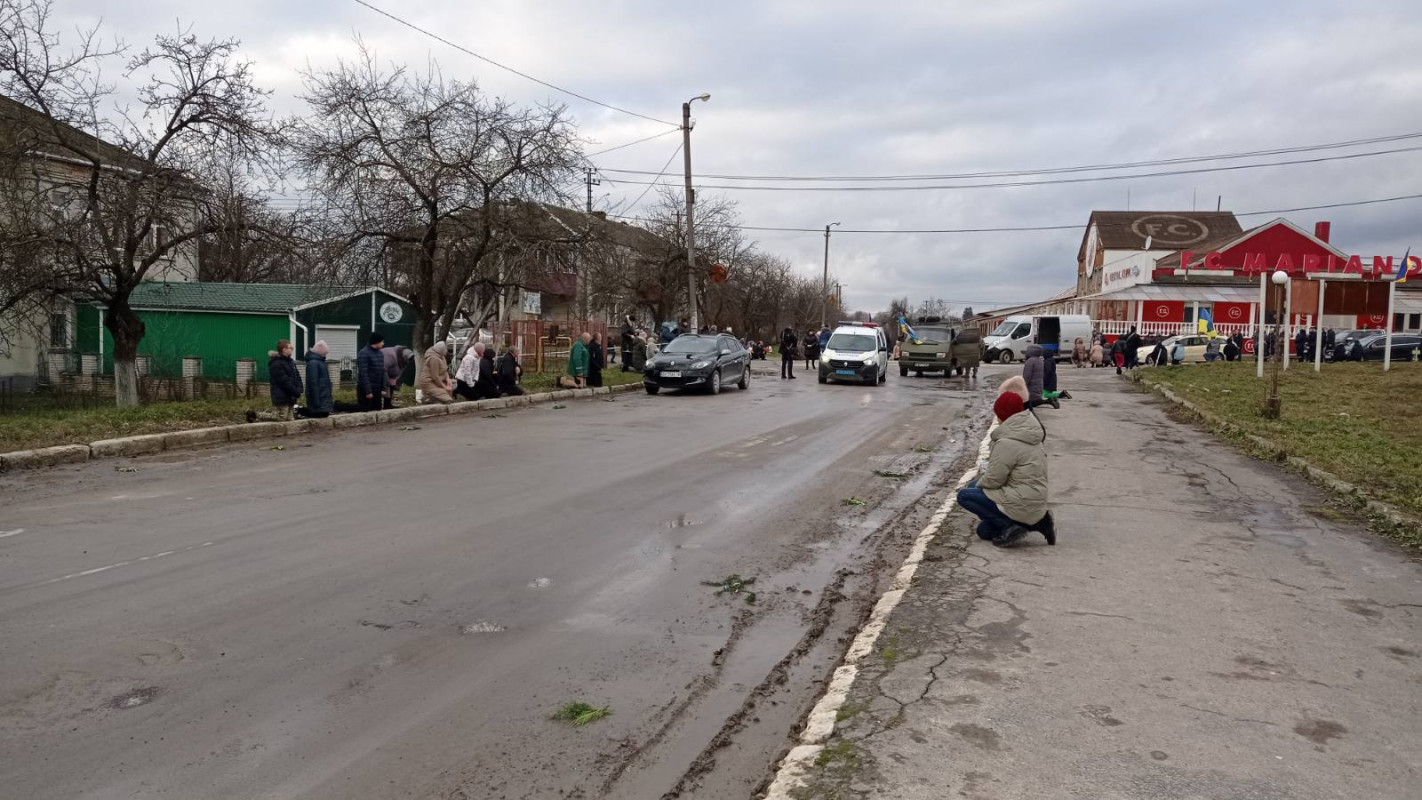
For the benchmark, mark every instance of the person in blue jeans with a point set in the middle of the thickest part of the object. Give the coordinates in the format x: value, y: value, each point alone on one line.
x: 1009, y: 496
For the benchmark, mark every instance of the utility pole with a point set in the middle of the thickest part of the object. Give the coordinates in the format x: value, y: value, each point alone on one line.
x: 588, y: 173
x: 824, y: 282
x: 690, y: 211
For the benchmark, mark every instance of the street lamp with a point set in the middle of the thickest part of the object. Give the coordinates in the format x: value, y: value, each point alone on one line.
x: 824, y: 284
x: 1274, y: 404
x: 690, y: 205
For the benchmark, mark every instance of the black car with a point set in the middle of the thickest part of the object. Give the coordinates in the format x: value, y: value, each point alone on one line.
x: 698, y: 361
x: 1373, y: 347
x: 1342, y: 340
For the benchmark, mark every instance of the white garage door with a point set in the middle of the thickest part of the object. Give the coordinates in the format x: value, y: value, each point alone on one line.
x: 343, y: 341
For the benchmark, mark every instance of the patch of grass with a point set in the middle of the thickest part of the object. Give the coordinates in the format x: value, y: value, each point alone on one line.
x: 888, y: 473
x: 853, y: 501
x: 840, y: 753
x: 580, y: 713
x: 1351, y: 419
x: 891, y: 649
x: 922, y: 448
x: 849, y: 711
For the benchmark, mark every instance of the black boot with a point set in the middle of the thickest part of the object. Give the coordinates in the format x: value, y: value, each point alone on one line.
x: 1047, y: 527
x: 1011, y: 536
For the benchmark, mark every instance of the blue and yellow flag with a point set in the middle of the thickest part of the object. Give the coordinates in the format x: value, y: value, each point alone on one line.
x: 1206, y: 323
x: 1407, y: 261
x: 907, y: 332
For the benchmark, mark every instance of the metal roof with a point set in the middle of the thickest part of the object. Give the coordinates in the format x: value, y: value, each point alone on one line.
x: 251, y: 298
x: 1205, y: 293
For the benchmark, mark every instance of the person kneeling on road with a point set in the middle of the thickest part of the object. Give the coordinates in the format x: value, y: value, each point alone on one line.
x: 1010, y: 492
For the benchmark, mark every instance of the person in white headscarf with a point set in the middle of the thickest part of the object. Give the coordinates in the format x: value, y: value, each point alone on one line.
x: 434, y: 379
x: 467, y: 376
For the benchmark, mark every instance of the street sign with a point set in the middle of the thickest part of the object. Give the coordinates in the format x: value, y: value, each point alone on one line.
x: 533, y: 303
x: 1249, y: 347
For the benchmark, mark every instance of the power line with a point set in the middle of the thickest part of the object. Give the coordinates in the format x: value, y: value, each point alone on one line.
x: 1031, y: 228
x: 1053, y: 170
x: 629, y: 144
x: 653, y: 183
x: 1054, y: 181
x: 507, y: 68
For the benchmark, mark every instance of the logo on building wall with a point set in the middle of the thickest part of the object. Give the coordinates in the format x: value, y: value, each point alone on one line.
x: 1170, y: 230
x: 1234, y: 313
x: 391, y: 312
x: 1091, y: 243
x: 1162, y: 311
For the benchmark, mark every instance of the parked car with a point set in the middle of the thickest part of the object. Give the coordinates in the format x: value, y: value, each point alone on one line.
x: 1373, y: 347
x: 696, y: 361
x: 856, y: 352
x: 1342, y: 340
x: 1194, y: 348
x: 941, y: 350
x: 1056, y: 333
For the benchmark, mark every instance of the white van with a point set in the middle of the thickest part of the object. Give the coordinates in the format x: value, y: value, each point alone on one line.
x: 856, y: 352
x: 1056, y: 333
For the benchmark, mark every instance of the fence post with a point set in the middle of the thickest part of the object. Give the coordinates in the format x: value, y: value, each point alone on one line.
x: 246, y: 371
x: 192, y: 370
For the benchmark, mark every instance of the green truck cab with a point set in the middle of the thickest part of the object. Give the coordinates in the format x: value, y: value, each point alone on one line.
x: 941, y: 349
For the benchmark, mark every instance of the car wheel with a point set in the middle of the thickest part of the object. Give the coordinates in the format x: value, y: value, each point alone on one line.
x: 874, y: 378
x: 823, y: 377
x: 1005, y: 356
x: 745, y: 379
x: 715, y: 385
x: 918, y: 373
x: 903, y: 371
x: 651, y: 389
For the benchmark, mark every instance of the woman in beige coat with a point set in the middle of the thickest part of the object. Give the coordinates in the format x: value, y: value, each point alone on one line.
x: 1009, y: 495
x: 434, y: 378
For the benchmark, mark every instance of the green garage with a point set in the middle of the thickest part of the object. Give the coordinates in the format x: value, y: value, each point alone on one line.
x: 224, y: 322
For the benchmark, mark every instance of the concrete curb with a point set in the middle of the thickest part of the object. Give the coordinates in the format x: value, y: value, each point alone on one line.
x: 148, y: 444
x: 1280, y: 454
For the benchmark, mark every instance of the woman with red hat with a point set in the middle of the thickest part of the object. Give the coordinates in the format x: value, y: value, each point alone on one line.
x: 1010, y: 493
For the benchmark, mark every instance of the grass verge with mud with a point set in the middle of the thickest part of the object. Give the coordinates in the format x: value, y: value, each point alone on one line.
x: 41, y: 420
x: 1352, y: 420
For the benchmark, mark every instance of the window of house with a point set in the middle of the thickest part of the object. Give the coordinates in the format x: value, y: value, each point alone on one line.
x: 1414, y: 322
x: 58, y: 330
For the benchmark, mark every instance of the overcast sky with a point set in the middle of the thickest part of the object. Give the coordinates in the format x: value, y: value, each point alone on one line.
x: 822, y: 87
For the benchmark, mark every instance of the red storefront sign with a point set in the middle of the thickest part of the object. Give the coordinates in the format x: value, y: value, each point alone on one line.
x: 1231, y: 313
x: 1372, y: 321
x: 1164, y: 311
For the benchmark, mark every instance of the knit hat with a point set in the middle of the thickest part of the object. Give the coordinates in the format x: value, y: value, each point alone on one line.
x: 1008, y: 403
x: 320, y: 347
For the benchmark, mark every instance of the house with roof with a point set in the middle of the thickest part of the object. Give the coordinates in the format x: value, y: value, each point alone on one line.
x: 224, y: 323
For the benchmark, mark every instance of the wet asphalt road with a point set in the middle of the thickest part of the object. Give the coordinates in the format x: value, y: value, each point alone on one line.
x: 382, y: 613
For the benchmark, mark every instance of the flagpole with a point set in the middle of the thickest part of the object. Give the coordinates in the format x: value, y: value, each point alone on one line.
x: 1391, y: 297
x: 1259, y: 332
x: 1318, y: 331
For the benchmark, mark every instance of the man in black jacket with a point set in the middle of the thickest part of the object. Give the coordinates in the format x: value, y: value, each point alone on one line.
x: 285, y: 381
x: 371, y: 380
x: 507, y: 372
x: 789, y: 351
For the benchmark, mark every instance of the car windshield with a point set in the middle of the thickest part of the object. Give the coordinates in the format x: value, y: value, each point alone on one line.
x: 690, y: 345
x: 852, y: 342
x: 1005, y: 327
x: 934, y: 335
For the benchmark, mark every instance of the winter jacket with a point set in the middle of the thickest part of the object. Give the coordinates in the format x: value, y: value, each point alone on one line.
x: 639, y: 355
x: 1016, y: 474
x: 1097, y: 355
x: 396, y: 357
x: 578, y: 359
x: 812, y: 349
x: 486, y: 382
x: 434, y: 378
x: 789, y: 344
x: 370, y: 372
x: 596, y: 357
x: 468, y: 368
x: 285, y: 380
x: 318, y: 384
x: 506, y: 372
x: 1049, y: 372
x: 1033, y: 372
x: 1078, y: 351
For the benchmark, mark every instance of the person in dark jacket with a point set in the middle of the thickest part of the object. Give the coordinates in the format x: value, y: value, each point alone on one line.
x: 319, y: 402
x: 789, y: 351
x: 597, y: 360
x: 285, y: 381
x: 371, y: 378
x: 629, y: 336
x: 487, y: 383
x: 812, y: 351
x: 1133, y: 346
x: 507, y: 373
x: 1118, y: 353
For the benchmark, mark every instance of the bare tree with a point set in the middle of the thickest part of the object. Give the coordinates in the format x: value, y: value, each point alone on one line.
x: 426, y: 168
x: 119, y: 199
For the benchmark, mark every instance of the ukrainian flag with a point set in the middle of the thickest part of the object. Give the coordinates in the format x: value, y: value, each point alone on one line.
x: 1206, y: 323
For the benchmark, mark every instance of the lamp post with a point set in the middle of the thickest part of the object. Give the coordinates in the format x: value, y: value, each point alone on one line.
x: 824, y: 283
x: 690, y: 208
x: 1273, y: 405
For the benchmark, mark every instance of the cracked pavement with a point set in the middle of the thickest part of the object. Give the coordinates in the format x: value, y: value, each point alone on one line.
x: 1205, y: 628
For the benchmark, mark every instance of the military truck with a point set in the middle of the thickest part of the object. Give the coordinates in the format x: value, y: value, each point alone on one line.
x: 939, y: 348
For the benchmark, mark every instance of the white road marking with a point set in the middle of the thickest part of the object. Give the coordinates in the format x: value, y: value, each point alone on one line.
x: 8, y: 534
x: 106, y: 567
x: 821, y: 721
x: 786, y: 440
